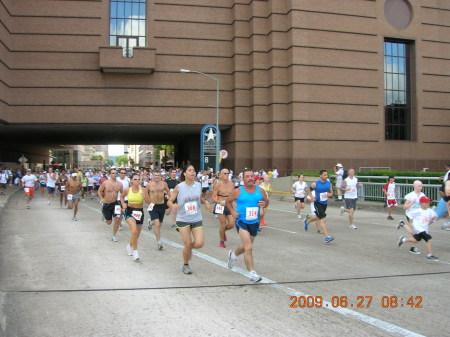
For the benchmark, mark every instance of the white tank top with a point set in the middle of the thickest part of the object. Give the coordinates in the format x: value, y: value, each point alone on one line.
x: 50, y: 182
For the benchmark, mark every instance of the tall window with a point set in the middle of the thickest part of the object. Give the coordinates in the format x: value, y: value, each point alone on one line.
x: 127, y: 24
x: 397, y: 90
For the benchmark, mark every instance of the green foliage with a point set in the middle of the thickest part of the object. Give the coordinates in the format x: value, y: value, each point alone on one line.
x: 170, y: 150
x: 122, y: 161
x: 97, y: 157
x: 108, y: 162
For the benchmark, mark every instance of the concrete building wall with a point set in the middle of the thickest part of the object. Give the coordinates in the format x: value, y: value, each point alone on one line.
x: 301, y: 81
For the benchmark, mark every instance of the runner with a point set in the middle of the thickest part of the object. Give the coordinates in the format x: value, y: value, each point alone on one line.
x: 28, y: 182
x: 73, y: 190
x: 125, y: 181
x: 91, y: 182
x: 134, y: 212
x: 350, y: 187
x: 324, y: 190
x: 3, y: 181
x: 171, y: 182
x: 84, y: 184
x: 390, y: 191
x: 298, y: 188
x: 421, y: 220
x: 268, y: 188
x: 108, y: 193
x: 221, y: 192
x: 157, y: 190
x: 411, y: 204
x: 249, y: 198
x: 339, y: 171
x: 61, y: 182
x: 42, y: 183
x: 443, y: 207
x: 51, y: 185
x: 189, y: 216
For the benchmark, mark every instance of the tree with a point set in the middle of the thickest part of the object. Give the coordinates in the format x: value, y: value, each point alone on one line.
x: 168, y: 149
x: 97, y: 157
x: 108, y: 162
x: 122, y: 160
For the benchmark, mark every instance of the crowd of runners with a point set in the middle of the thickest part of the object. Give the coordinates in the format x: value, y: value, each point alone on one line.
x: 237, y: 201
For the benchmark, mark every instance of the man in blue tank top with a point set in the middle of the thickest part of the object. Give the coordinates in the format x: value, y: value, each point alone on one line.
x: 249, y: 198
x: 324, y: 191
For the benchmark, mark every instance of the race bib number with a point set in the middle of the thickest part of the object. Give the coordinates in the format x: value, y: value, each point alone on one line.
x: 190, y: 208
x: 150, y: 207
x: 117, y: 209
x: 84, y: 184
x: 391, y: 195
x: 27, y: 190
x: 323, y: 196
x: 69, y: 197
x: 219, y: 209
x: 137, y: 215
x: 251, y: 213
x: 63, y: 188
x: 145, y: 183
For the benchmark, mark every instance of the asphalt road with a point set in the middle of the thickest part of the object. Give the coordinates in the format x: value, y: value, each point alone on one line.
x: 60, y: 277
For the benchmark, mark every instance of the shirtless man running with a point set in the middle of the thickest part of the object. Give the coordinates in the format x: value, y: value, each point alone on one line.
x: 221, y: 192
x: 157, y: 190
x: 108, y: 192
x: 73, y: 189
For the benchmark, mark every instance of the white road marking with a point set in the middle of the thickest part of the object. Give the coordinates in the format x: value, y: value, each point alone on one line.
x: 385, y: 326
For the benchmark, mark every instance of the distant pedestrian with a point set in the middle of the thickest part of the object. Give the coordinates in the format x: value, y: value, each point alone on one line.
x: 390, y: 190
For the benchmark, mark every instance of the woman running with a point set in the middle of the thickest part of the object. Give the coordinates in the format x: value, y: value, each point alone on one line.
x: 188, y: 194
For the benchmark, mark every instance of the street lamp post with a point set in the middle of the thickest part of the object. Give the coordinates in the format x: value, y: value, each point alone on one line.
x: 217, y: 112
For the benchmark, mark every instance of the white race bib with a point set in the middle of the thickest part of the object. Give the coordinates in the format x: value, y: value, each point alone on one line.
x: 324, y: 196
x: 391, y: 195
x: 27, y: 190
x: 150, y: 207
x: 63, y: 187
x: 117, y: 210
x: 190, y: 208
x: 69, y: 197
x: 251, y: 213
x: 219, y: 209
x: 137, y: 215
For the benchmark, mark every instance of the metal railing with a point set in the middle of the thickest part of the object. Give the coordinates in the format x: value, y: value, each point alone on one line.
x: 374, y: 190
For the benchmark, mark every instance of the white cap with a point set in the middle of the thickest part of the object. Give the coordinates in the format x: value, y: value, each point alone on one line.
x: 339, y: 165
x: 74, y: 175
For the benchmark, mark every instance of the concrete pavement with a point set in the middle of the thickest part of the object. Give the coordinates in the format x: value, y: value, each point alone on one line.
x: 59, y: 277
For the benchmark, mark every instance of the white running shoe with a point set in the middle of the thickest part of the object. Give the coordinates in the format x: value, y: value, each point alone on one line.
x: 120, y: 227
x: 232, y: 259
x: 74, y: 218
x: 445, y: 225
x: 254, y: 277
x: 159, y: 245
x: 352, y: 227
x: 129, y: 250
x: 114, y: 238
x: 299, y: 216
x: 135, y: 255
x: 341, y: 210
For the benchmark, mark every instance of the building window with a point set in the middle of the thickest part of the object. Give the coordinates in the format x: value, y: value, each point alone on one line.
x: 397, y: 89
x: 127, y: 24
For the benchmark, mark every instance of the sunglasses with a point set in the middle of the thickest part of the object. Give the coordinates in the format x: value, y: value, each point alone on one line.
x: 136, y: 179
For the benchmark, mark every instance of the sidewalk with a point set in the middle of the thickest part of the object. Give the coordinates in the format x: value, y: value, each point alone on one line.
x: 10, y: 190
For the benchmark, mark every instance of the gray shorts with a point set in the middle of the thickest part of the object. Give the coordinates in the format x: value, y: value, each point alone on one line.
x: 350, y: 203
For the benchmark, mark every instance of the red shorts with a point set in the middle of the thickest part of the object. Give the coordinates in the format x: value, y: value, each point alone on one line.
x: 29, y: 191
x: 391, y: 202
